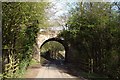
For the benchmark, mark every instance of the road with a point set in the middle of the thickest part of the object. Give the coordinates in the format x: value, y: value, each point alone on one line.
x: 52, y: 70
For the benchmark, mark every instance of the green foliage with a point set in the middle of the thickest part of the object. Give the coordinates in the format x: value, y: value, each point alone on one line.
x: 21, y: 22
x: 94, y: 31
x: 32, y: 62
x: 22, y: 69
x: 53, y: 46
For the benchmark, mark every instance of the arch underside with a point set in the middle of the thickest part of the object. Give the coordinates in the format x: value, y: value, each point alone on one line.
x: 60, y: 41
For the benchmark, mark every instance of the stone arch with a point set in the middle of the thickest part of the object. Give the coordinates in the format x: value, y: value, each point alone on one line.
x: 60, y: 40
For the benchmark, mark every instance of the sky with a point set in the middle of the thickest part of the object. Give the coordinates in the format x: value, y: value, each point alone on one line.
x: 57, y: 0
x: 61, y: 7
x: 83, y: 0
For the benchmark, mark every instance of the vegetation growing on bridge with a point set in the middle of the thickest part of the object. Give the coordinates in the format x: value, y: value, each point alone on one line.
x: 21, y: 22
x: 94, y: 35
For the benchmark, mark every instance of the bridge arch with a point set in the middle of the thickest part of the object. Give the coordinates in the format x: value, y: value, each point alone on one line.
x: 60, y: 40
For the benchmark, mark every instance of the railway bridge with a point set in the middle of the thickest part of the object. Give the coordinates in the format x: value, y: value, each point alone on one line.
x: 46, y: 35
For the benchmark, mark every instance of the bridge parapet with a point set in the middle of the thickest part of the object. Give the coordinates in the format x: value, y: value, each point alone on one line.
x: 45, y: 35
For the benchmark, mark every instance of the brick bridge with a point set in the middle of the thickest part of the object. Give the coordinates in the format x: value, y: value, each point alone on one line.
x: 46, y: 35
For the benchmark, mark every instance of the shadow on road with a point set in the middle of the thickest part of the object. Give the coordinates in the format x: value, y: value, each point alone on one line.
x: 60, y: 64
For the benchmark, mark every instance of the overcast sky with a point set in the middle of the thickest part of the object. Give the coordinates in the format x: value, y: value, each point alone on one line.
x: 63, y: 6
x: 60, y: 8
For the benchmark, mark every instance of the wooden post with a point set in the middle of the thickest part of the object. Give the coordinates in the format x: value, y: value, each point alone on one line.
x: 91, y: 65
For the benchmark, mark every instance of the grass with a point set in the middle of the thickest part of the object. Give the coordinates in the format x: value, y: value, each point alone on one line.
x: 19, y: 73
x: 92, y: 75
x: 33, y: 62
x: 80, y: 73
x: 23, y: 68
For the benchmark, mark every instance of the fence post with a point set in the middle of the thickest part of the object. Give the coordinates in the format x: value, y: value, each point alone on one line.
x: 91, y: 65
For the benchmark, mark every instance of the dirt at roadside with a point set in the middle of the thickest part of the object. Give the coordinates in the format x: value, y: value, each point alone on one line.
x: 32, y: 71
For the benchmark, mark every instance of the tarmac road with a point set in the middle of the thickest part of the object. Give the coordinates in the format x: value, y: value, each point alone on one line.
x: 52, y: 70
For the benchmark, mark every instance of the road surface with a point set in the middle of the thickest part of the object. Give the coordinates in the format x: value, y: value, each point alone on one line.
x: 51, y: 70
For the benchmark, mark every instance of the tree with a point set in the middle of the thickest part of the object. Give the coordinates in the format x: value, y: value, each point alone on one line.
x: 93, y: 29
x: 21, y: 22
